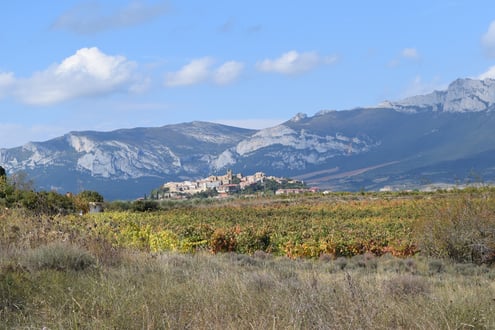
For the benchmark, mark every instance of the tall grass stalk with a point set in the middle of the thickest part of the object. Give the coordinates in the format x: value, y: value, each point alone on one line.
x: 230, y: 291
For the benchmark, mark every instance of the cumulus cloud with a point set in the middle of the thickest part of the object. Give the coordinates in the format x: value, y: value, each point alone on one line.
x: 293, y: 62
x: 6, y: 81
x: 488, y: 40
x: 88, y: 72
x: 201, y: 70
x: 195, y: 72
x: 90, y: 17
x: 490, y: 73
x: 228, y: 72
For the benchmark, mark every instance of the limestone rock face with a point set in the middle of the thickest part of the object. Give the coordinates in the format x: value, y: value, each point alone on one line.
x: 462, y: 95
x: 441, y: 136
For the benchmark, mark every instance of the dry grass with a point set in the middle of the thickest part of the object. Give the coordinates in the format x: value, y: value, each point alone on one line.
x: 231, y: 291
x: 87, y: 283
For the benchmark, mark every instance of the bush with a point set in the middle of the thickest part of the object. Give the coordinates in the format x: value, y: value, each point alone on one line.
x: 461, y: 228
x: 42, y: 202
x: 83, y: 199
x: 118, y: 206
x: 59, y: 256
x: 144, y: 206
x: 222, y: 241
x: 250, y: 240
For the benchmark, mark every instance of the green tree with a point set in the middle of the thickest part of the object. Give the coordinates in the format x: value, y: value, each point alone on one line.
x: 53, y: 202
x: 6, y: 189
x: 91, y: 196
x: 82, y: 200
x: 144, y: 206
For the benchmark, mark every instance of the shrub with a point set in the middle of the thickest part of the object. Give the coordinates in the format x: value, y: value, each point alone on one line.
x: 222, y: 241
x: 59, y: 256
x: 118, y: 206
x: 144, y: 206
x: 250, y: 240
x: 461, y: 228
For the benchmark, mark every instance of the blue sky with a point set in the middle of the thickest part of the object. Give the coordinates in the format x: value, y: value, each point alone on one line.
x: 102, y: 65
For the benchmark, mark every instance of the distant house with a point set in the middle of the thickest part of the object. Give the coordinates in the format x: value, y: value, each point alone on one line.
x: 288, y: 191
x: 228, y: 188
x: 95, y: 207
x: 297, y: 191
x: 314, y: 189
x: 224, y: 184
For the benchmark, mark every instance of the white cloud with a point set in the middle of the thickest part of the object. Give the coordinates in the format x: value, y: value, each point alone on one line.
x: 197, y: 71
x: 490, y: 73
x: 228, y: 72
x: 94, y: 63
x: 6, y: 81
x: 488, y: 40
x: 292, y: 62
x: 200, y: 71
x: 410, y: 53
x: 90, y: 17
x: 89, y: 72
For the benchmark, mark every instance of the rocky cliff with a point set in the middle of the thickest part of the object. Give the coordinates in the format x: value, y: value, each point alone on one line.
x: 444, y: 136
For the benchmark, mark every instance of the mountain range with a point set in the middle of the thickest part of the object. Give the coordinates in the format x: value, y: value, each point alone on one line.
x: 445, y: 137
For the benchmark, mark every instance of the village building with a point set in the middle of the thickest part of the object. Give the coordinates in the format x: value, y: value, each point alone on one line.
x: 225, y: 184
x: 95, y: 207
x: 228, y: 188
x: 297, y: 191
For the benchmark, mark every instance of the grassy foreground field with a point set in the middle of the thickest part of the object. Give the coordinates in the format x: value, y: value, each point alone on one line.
x: 352, y: 261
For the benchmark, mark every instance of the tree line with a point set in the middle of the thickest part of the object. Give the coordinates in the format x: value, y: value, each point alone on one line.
x: 16, y: 191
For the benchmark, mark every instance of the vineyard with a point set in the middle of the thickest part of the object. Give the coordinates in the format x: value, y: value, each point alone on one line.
x: 337, y: 261
x: 310, y: 226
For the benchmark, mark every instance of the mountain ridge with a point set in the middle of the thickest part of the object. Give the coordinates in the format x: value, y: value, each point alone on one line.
x: 442, y: 130
x: 480, y: 97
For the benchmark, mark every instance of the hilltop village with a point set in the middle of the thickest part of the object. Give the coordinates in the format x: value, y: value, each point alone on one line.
x: 230, y: 183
